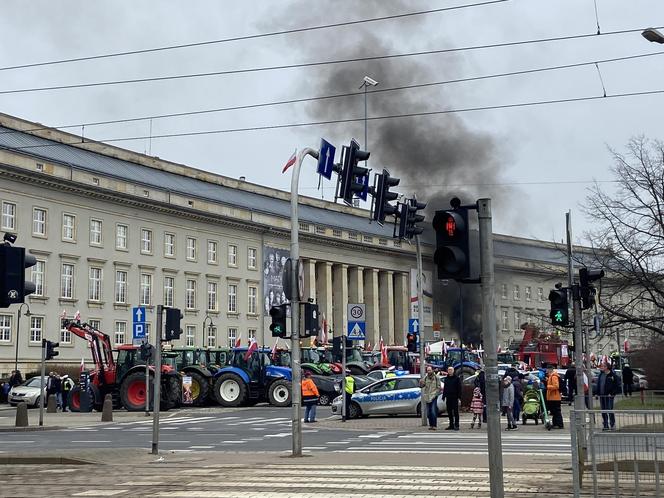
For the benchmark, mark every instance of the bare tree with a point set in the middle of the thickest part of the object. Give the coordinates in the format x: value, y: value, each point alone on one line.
x: 628, y: 236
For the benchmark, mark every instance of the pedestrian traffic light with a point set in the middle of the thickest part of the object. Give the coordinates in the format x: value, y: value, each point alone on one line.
x: 50, y: 349
x: 354, y: 178
x: 411, y: 343
x: 310, y: 326
x: 408, y: 218
x: 145, y: 351
x: 278, y: 325
x: 382, y: 197
x: 173, y: 330
x: 452, y: 256
x: 13, y: 263
x: 586, y: 289
x: 559, y: 308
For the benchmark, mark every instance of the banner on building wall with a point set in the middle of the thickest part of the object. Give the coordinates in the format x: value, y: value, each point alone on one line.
x: 274, y: 260
x: 427, y: 289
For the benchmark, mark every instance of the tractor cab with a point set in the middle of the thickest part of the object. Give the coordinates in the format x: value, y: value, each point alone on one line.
x: 216, y: 359
x: 128, y: 357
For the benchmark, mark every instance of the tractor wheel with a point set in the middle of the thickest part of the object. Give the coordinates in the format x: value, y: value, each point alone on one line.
x: 324, y: 399
x: 171, y: 392
x: 466, y: 371
x: 230, y: 390
x: 279, y: 393
x: 200, y: 388
x: 74, y: 399
x: 132, y: 392
x: 354, y: 411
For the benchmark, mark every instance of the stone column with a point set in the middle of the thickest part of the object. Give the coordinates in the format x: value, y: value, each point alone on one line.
x: 324, y: 291
x: 356, y: 285
x: 386, y: 289
x: 339, y: 305
x: 401, y: 306
x: 310, y: 279
x: 370, y: 278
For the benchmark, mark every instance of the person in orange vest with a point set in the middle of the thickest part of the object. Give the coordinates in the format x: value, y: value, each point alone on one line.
x: 310, y: 397
x: 553, y: 397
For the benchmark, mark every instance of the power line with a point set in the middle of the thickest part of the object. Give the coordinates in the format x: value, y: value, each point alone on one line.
x: 359, y: 119
x: 250, y: 37
x: 498, y: 184
x: 312, y: 64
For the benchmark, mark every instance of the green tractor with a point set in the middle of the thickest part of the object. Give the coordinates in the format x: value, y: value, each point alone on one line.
x: 199, y: 364
x: 316, y: 361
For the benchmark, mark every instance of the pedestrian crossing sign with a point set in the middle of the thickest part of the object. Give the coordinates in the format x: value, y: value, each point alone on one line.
x: 356, y: 331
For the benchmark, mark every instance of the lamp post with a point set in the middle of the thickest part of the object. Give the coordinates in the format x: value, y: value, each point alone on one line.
x: 18, y: 330
x: 207, y: 317
x: 367, y: 82
x: 652, y: 35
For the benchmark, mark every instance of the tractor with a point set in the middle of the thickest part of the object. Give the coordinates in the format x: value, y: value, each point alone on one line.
x: 249, y: 377
x: 124, y: 377
x: 193, y: 362
x: 316, y: 361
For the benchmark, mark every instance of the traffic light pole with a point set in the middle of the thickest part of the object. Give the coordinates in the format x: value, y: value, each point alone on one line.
x: 41, y: 383
x: 420, y: 318
x: 157, y: 381
x: 296, y: 391
x: 491, y: 347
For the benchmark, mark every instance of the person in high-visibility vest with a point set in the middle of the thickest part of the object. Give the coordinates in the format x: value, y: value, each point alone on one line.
x: 390, y: 374
x: 348, y: 392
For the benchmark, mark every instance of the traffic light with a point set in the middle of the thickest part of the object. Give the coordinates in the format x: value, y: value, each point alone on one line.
x: 354, y: 178
x: 278, y: 325
x: 145, y: 351
x: 382, y: 197
x: 173, y: 330
x: 13, y: 286
x: 50, y: 349
x: 452, y: 256
x: 411, y: 343
x: 408, y: 218
x: 310, y: 325
x: 587, y: 290
x: 559, y: 308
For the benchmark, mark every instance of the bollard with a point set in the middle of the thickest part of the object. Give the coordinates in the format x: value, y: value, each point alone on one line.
x: 52, y: 404
x: 107, y: 410
x: 22, y: 415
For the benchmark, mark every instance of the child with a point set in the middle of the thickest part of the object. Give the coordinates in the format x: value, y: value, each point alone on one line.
x: 477, y: 407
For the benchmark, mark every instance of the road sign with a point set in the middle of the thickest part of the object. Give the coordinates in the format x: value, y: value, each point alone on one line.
x: 413, y: 325
x: 139, y: 314
x: 356, y: 312
x: 436, y: 334
x: 356, y: 331
x: 326, y: 158
x: 363, y: 194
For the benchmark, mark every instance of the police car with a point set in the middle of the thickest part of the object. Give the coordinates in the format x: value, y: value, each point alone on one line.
x: 390, y: 396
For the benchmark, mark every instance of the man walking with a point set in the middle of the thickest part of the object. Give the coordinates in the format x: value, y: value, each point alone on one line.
x: 452, y: 395
x: 430, y: 390
x: 507, y: 402
x: 553, y: 396
x: 628, y: 380
x: 608, y: 385
x: 16, y: 378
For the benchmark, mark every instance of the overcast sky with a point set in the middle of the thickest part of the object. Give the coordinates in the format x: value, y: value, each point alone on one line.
x: 519, y: 151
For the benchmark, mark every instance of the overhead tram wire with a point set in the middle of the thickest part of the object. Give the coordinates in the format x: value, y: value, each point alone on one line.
x: 252, y: 37
x: 354, y: 120
x: 316, y: 63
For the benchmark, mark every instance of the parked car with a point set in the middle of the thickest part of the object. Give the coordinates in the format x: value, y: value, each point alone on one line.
x: 391, y: 396
x: 27, y: 392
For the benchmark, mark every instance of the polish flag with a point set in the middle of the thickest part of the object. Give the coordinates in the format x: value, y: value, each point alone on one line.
x: 63, y: 315
x: 273, y: 354
x: 77, y: 316
x: 427, y: 349
x: 367, y: 346
x: 82, y: 365
x: 626, y: 346
x: 445, y: 346
x: 323, y: 330
x: 383, y: 353
x: 253, y: 346
x: 290, y: 162
x: 238, y: 341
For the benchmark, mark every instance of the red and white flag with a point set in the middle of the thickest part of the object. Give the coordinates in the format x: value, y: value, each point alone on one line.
x: 367, y: 346
x: 626, y: 346
x: 323, y: 330
x: 273, y: 354
x: 238, y: 341
x: 63, y: 315
x: 383, y: 353
x: 290, y: 162
x: 445, y: 346
x: 77, y: 316
x: 82, y: 364
x: 427, y: 349
x: 253, y: 346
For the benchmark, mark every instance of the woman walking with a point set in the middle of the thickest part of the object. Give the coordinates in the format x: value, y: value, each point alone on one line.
x: 309, y: 398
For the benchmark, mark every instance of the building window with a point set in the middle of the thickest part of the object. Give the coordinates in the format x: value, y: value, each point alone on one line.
x: 37, y: 277
x: 36, y: 328
x: 252, y: 303
x: 121, y: 232
x: 252, y: 258
x: 232, y: 255
x: 232, y: 298
x: 320, y: 230
x: 169, y: 245
x: 528, y: 292
x: 232, y: 336
x: 252, y: 334
x: 304, y: 227
x: 8, y: 216
x: 368, y: 239
x: 211, y: 337
x: 121, y: 286
x: 517, y: 320
x: 146, y: 289
x: 68, y: 227
x: 352, y: 235
x: 5, y: 328
x: 95, y: 324
x: 382, y: 242
x: 67, y: 281
x: 212, y: 252
x: 65, y: 336
x: 146, y: 241
x: 120, y: 332
x: 191, y: 249
x: 39, y: 222
x: 336, y: 232
x: 94, y: 284
x: 503, y: 291
x: 540, y: 294
x: 517, y: 293
x: 505, y: 322
x: 212, y: 302
x: 190, y: 295
x: 190, y: 336
x: 95, y: 232
x: 169, y: 291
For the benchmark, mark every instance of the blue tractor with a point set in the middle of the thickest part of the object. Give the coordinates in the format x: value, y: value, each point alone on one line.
x: 251, y: 377
x: 464, y: 361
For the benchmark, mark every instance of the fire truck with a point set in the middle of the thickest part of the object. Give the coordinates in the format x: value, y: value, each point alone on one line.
x: 537, y: 348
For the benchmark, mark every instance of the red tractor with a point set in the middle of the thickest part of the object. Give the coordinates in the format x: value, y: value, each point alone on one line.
x: 123, y: 378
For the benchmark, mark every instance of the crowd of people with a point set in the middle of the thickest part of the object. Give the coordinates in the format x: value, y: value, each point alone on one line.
x: 56, y: 385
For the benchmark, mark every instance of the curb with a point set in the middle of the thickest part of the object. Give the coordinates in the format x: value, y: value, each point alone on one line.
x: 44, y: 460
x: 31, y: 429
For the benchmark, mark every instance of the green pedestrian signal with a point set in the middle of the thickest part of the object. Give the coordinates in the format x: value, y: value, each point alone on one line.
x: 278, y: 325
x: 559, y: 307
x: 558, y: 317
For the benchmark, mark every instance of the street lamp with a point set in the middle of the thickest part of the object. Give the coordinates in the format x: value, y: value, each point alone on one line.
x: 652, y: 35
x: 18, y: 330
x: 207, y: 317
x: 367, y: 82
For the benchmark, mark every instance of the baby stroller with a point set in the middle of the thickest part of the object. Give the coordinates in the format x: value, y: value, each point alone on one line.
x: 532, y: 407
